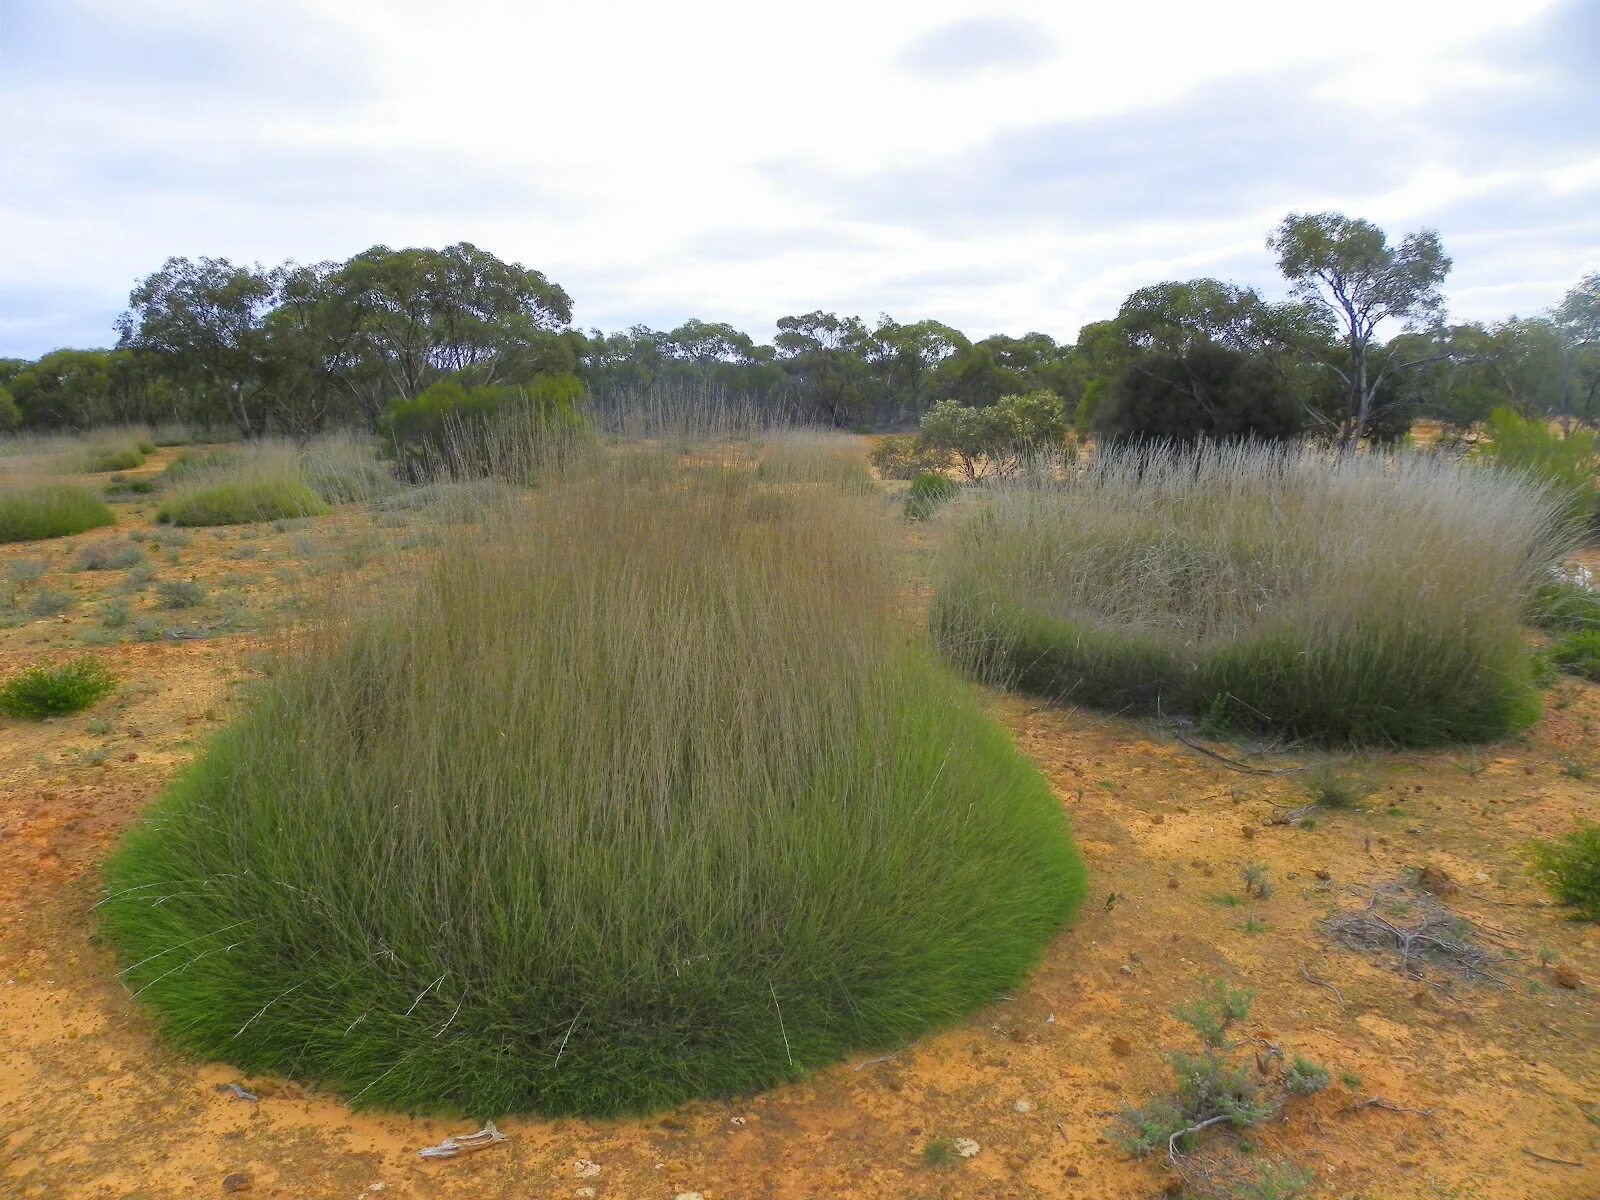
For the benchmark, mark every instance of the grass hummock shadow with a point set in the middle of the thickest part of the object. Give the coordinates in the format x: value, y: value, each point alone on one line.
x: 644, y: 794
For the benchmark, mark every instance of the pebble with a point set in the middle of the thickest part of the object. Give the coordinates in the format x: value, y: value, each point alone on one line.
x: 964, y: 1148
x: 1023, y: 1106
x: 586, y: 1192
x: 585, y: 1168
x: 688, y: 1196
x: 237, y: 1182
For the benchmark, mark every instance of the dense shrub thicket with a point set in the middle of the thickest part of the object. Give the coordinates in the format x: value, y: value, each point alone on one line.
x: 1346, y: 599
x: 640, y: 797
x: 46, y: 691
x: 30, y: 513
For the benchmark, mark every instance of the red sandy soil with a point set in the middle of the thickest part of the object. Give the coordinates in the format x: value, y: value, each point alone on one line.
x: 1504, y: 1079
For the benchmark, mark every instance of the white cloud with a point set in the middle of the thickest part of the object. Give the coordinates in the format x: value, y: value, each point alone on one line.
x: 628, y: 148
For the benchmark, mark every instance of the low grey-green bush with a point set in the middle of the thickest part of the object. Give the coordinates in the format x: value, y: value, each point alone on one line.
x: 49, y: 510
x: 180, y: 593
x: 109, y: 556
x: 643, y: 794
x: 1353, y: 599
x: 46, y: 691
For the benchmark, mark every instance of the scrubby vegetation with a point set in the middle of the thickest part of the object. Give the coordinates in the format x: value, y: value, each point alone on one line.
x: 1564, y: 603
x: 1571, y: 867
x: 116, y: 457
x: 1579, y: 654
x: 1220, y: 1088
x: 49, y: 510
x: 1345, y: 599
x: 929, y: 493
x: 242, y: 502
x: 1530, y: 447
x: 641, y: 795
x: 462, y: 431
x: 46, y: 691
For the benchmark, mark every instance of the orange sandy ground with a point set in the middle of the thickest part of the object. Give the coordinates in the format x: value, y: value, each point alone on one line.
x: 91, y: 1105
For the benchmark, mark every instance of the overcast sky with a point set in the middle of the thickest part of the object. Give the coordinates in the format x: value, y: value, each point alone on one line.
x: 1001, y: 168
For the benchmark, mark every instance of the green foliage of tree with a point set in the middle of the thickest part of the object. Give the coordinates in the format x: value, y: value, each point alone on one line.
x: 1567, y: 464
x: 449, y: 424
x: 1345, y: 268
x: 10, y: 414
x: 997, y: 438
x: 1205, y: 391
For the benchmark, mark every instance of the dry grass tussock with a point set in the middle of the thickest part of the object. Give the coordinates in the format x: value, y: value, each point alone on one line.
x: 643, y: 793
x: 1356, y: 598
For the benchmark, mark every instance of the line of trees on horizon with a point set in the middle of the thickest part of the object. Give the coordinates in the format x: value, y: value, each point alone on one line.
x: 295, y: 349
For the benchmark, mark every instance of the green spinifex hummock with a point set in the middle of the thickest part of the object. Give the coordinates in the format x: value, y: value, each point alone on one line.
x: 647, y: 796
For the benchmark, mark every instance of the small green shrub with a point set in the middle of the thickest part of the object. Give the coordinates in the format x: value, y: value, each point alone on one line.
x: 939, y: 1152
x: 50, y: 510
x: 109, y: 557
x: 1327, y: 786
x: 1570, y: 867
x: 1305, y: 1077
x: 1564, y: 604
x: 242, y: 502
x: 116, y: 613
x: 928, y: 494
x: 144, y: 446
x: 905, y: 456
x: 26, y: 570
x: 45, y: 691
x: 1579, y: 654
x: 180, y: 593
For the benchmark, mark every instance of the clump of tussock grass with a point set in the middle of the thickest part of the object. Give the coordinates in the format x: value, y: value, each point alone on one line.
x: 262, y: 483
x: 193, y: 464
x: 1354, y: 599
x: 119, y: 456
x: 1579, y: 654
x: 1566, y: 602
x: 109, y: 556
x: 643, y: 794
x: 798, y: 456
x: 49, y: 510
x: 343, y: 468
x: 46, y: 691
